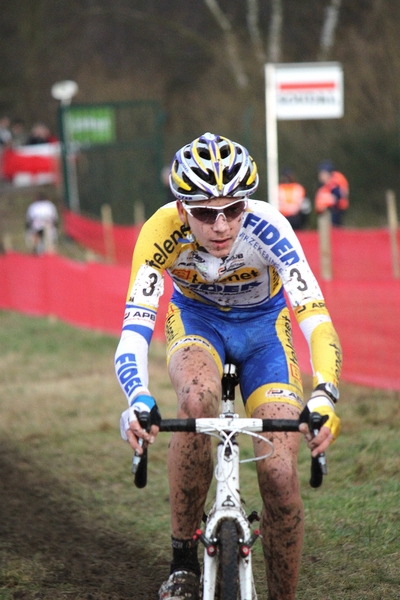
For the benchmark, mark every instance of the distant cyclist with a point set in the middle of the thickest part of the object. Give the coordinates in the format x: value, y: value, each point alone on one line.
x: 41, y: 225
x: 332, y: 193
x: 230, y: 259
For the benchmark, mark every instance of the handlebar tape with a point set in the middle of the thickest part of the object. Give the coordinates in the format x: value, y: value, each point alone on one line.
x: 183, y: 425
x: 318, y: 463
x: 141, y: 471
x: 280, y: 425
x: 189, y: 425
x: 316, y: 472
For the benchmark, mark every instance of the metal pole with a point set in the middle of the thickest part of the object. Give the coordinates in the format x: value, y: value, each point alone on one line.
x: 69, y: 160
x: 272, y: 135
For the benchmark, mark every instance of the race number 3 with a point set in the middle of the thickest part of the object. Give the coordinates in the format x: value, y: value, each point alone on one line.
x: 302, y: 287
x: 149, y: 291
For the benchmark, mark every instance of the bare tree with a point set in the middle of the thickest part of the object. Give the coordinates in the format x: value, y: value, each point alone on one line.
x: 275, y: 32
x: 329, y: 26
x: 254, y: 30
x: 231, y: 43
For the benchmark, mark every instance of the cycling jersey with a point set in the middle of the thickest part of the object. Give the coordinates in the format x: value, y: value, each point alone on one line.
x: 265, y: 260
x: 41, y: 214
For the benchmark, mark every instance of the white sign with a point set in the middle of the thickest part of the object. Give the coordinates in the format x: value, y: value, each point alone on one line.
x: 309, y: 91
x: 298, y: 91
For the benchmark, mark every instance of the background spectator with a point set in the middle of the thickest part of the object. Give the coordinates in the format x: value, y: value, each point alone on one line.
x: 5, y: 140
x: 293, y: 203
x: 41, y: 225
x: 19, y: 135
x: 40, y: 134
x: 5, y: 133
x: 333, y: 192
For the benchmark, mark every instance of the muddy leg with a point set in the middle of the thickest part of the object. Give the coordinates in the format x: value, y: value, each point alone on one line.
x: 282, y: 521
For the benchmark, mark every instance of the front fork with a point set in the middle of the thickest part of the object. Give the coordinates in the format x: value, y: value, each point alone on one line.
x: 228, y: 506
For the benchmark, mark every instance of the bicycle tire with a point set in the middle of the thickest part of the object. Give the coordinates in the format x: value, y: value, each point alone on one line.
x: 228, y: 561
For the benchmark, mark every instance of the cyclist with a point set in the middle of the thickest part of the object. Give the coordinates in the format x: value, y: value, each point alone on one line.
x: 41, y: 225
x: 230, y: 259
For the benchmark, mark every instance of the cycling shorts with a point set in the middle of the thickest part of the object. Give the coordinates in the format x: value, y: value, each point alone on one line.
x: 257, y: 340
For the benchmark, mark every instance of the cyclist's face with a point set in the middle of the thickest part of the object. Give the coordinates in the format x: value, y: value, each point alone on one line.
x: 218, y: 237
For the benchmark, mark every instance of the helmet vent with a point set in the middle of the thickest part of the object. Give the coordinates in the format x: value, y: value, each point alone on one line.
x: 205, y: 154
x: 229, y: 175
x: 187, y: 180
x: 207, y: 177
x: 244, y: 185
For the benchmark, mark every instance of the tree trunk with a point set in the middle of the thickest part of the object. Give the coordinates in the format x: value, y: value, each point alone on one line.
x: 231, y: 43
x: 254, y: 30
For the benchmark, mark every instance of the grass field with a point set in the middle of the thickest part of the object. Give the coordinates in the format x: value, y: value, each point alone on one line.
x: 72, y: 525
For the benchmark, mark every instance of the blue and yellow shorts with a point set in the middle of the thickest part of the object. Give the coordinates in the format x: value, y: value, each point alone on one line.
x: 257, y: 340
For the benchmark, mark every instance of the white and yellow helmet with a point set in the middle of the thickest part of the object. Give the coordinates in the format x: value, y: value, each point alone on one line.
x: 212, y: 166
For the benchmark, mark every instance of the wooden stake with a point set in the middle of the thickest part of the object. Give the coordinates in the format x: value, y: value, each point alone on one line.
x: 324, y: 232
x: 48, y: 237
x: 393, y: 228
x: 107, y: 222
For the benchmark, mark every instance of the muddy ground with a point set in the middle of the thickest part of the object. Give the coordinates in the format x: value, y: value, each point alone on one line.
x: 75, y: 558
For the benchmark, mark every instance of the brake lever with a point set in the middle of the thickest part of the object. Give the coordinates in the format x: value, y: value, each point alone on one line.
x: 137, y: 458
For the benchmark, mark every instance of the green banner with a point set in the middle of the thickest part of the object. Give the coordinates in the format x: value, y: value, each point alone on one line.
x: 91, y: 125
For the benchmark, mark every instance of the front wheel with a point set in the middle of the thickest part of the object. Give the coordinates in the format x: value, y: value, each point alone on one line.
x: 228, y: 561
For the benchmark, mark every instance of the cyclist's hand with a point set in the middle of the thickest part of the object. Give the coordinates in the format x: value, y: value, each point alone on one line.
x: 129, y: 424
x: 320, y: 403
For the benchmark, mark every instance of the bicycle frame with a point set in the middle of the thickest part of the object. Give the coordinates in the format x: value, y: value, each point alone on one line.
x: 228, y: 504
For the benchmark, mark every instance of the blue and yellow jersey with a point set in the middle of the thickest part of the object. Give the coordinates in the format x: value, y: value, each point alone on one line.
x: 265, y: 259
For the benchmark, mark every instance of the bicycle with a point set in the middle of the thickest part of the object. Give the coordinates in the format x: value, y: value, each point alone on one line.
x: 228, y: 536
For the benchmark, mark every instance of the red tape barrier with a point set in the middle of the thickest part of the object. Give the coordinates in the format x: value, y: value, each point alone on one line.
x: 91, y: 234
x: 89, y: 295
x: 366, y: 317
x: 363, y: 300
x: 356, y: 253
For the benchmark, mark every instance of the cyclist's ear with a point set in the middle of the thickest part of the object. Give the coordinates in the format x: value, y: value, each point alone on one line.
x: 181, y: 212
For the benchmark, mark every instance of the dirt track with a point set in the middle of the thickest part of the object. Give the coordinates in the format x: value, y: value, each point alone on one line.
x: 75, y: 558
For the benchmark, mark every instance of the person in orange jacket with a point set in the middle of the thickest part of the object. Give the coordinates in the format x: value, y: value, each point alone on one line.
x: 333, y: 192
x: 293, y: 203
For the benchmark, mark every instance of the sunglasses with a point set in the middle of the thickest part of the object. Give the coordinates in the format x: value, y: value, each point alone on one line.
x: 209, y: 214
